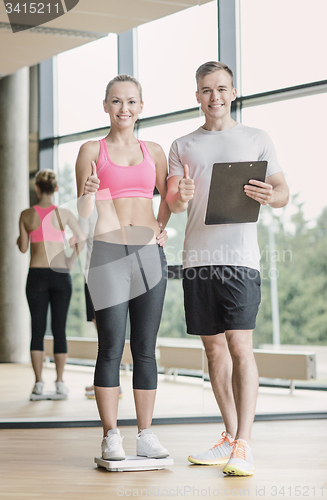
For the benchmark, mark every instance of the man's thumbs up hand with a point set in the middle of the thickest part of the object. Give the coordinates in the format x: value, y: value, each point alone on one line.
x: 186, y: 186
x: 186, y: 172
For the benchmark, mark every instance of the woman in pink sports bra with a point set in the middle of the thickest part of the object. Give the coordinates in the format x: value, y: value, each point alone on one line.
x: 48, y: 279
x: 128, y: 268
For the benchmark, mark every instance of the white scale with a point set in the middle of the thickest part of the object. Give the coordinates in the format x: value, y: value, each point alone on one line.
x: 133, y: 463
x: 47, y: 396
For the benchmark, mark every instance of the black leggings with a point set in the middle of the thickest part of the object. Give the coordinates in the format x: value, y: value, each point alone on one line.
x: 44, y: 286
x: 121, y: 279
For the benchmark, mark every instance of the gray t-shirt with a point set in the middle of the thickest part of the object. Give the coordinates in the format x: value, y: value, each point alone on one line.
x: 226, y: 244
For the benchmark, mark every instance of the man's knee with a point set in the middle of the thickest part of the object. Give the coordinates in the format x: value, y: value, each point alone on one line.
x: 240, y: 345
x: 215, y: 347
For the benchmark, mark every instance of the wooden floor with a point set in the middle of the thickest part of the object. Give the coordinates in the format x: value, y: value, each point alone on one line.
x: 185, y: 397
x: 51, y: 464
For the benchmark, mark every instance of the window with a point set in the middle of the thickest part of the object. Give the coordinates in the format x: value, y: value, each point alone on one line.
x: 164, y: 135
x: 281, y: 44
x: 77, y: 326
x: 83, y: 74
x: 169, y: 52
x: 297, y: 129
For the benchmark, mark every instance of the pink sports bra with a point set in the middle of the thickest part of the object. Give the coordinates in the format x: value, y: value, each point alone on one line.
x: 46, y: 231
x: 125, y: 182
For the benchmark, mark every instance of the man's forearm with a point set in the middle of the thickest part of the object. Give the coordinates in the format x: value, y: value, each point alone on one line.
x: 176, y: 205
x: 281, y: 197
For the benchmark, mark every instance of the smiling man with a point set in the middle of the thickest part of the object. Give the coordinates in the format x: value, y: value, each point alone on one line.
x: 221, y: 277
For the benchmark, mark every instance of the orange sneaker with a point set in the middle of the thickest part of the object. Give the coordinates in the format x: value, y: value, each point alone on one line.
x: 218, y: 455
x: 241, y: 460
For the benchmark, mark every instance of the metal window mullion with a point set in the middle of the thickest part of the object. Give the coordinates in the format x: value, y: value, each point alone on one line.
x: 244, y: 101
x: 125, y: 47
x: 142, y: 123
x: 227, y: 37
x: 277, y: 95
x: 127, y: 56
x: 46, y: 114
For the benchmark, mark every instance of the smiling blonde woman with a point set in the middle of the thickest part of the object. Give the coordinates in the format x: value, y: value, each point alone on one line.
x: 128, y: 267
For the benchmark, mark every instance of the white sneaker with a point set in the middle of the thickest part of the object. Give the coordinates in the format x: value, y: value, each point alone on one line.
x: 61, y: 388
x: 241, y: 460
x: 38, y: 388
x: 147, y: 445
x: 217, y: 455
x: 112, y: 446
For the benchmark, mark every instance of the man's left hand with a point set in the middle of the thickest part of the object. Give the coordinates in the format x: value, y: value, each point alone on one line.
x: 260, y: 191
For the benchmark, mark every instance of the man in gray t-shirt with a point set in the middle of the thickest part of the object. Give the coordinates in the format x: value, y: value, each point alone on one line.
x: 221, y: 262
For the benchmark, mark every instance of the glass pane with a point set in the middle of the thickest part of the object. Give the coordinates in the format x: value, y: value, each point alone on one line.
x: 300, y: 229
x: 300, y: 262
x: 83, y: 74
x: 67, y: 154
x: 173, y: 321
x: 165, y: 135
x: 281, y: 43
x: 178, y: 45
x: 77, y: 326
x: 172, y: 332
x: 183, y: 393
x: 300, y: 149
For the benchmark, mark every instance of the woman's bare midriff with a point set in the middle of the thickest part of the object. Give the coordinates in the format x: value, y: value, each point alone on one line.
x: 127, y: 221
x: 48, y: 254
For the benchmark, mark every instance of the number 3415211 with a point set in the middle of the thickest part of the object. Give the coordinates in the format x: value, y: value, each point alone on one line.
x: 32, y: 8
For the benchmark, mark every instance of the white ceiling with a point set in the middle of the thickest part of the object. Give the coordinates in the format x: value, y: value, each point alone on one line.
x: 89, y: 20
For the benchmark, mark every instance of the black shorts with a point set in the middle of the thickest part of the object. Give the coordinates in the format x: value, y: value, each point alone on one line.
x: 90, y: 315
x: 220, y: 298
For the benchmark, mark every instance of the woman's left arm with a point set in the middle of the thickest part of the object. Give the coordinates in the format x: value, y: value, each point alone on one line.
x: 164, y: 212
x: 23, y: 238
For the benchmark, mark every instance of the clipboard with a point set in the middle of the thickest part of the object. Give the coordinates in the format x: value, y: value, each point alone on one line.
x: 227, y: 201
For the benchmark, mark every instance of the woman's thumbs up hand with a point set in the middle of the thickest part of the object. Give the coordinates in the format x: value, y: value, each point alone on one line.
x: 92, y: 182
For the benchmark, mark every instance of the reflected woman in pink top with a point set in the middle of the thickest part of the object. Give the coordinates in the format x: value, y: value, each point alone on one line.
x: 48, y: 281
x: 128, y: 268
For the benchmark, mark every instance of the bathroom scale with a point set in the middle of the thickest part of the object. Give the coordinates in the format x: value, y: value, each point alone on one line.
x: 227, y: 201
x: 133, y: 463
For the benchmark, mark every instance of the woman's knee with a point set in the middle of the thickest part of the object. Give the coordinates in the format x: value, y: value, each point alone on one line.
x: 142, y: 348
x: 106, y: 372
x: 60, y: 346
x: 145, y: 374
x: 37, y: 343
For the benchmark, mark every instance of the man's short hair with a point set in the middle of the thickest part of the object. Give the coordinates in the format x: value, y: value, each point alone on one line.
x: 210, y: 67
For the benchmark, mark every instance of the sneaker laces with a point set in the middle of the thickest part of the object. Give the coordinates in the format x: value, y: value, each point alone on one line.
x: 221, y: 440
x: 151, y: 439
x: 238, y: 450
x: 115, y: 439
